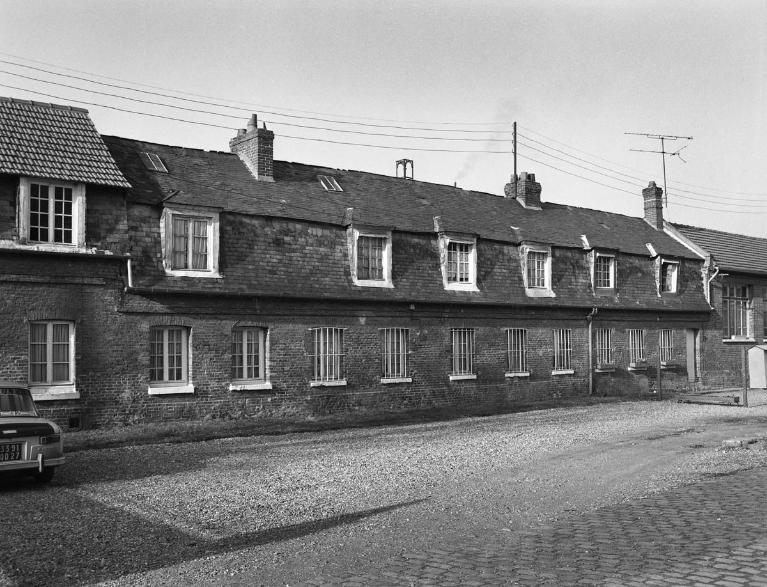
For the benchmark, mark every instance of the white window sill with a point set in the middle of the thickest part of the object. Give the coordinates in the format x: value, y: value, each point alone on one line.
x: 563, y: 372
x: 539, y: 292
x: 465, y: 376
x: 737, y: 340
x: 171, y: 389
x: 517, y: 374
x: 461, y: 287
x: 605, y: 369
x: 251, y: 386
x: 633, y: 367
x: 42, y: 393
x: 193, y: 273
x: 46, y: 247
x: 387, y: 380
x: 334, y: 383
x: 373, y: 283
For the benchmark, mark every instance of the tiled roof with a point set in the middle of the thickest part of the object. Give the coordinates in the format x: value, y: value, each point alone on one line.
x: 731, y: 252
x: 219, y: 179
x: 57, y: 142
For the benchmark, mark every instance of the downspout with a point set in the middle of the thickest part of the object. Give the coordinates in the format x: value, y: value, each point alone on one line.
x: 590, y: 320
x: 130, y: 273
x: 708, y: 285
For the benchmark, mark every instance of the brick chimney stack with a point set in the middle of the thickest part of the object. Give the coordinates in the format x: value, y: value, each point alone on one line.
x: 255, y: 146
x: 653, y: 205
x: 528, y: 192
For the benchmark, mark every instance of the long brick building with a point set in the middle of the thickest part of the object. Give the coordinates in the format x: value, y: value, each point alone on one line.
x: 145, y: 282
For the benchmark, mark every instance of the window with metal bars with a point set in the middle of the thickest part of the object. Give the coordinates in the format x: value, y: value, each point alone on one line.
x: 636, y: 345
x: 51, y: 353
x: 536, y: 269
x: 604, y: 268
x: 516, y: 350
x: 189, y: 243
x: 249, y: 354
x: 458, y: 262
x: 735, y: 311
x: 370, y: 257
x: 604, y: 346
x: 563, y: 349
x: 328, y: 354
x: 463, y: 351
x: 394, y: 352
x: 168, y: 354
x: 666, y: 345
x: 51, y: 216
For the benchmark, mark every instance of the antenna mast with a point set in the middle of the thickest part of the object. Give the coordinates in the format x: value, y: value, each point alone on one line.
x: 663, y: 153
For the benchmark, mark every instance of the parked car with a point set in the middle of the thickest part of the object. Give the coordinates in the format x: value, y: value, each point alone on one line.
x: 28, y: 442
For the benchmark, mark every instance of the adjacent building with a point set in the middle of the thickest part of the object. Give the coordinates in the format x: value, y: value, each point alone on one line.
x: 145, y: 282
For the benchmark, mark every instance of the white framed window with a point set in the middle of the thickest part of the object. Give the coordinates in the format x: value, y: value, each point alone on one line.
x: 250, y: 359
x: 563, y: 351
x: 328, y: 356
x: 536, y: 270
x: 666, y: 345
x: 463, y: 354
x: 395, y: 347
x: 51, y: 214
x: 636, y: 347
x: 458, y: 257
x: 604, y: 348
x: 516, y: 352
x: 669, y: 274
x: 736, y: 311
x: 604, y: 271
x: 52, y: 359
x: 370, y: 255
x: 169, y: 360
x: 190, y: 241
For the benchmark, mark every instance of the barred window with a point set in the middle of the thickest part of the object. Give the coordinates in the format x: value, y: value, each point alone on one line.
x: 735, y: 306
x: 328, y: 354
x: 636, y: 345
x: 463, y: 351
x: 168, y: 355
x: 516, y: 345
x: 249, y: 353
x: 394, y: 351
x: 666, y: 345
x: 604, y: 268
x: 458, y: 262
x: 536, y: 268
x: 563, y: 349
x: 370, y: 257
x: 668, y: 276
x: 51, y: 353
x: 604, y: 346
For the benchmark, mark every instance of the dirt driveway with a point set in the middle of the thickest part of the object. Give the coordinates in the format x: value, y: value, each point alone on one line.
x: 280, y: 510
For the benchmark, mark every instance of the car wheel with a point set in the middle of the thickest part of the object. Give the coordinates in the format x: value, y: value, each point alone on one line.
x: 46, y: 475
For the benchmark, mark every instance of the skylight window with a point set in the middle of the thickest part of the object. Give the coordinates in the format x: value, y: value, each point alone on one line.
x: 153, y: 162
x: 329, y: 183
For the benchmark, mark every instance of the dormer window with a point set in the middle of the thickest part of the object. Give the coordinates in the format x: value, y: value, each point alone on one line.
x: 153, y: 162
x: 370, y: 256
x: 190, y: 241
x: 52, y: 213
x: 458, y: 259
x: 536, y: 270
x: 669, y: 271
x: 329, y: 183
x: 604, y: 271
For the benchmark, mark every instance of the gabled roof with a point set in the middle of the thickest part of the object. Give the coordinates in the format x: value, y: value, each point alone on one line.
x: 56, y: 142
x: 218, y: 179
x: 731, y: 252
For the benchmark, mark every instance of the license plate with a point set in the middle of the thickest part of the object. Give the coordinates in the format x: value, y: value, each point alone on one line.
x: 10, y: 452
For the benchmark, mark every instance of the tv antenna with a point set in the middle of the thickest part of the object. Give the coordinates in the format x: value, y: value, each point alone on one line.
x: 663, y: 152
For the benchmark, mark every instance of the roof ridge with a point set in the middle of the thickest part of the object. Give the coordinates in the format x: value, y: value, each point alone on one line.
x: 43, y: 104
x: 738, y: 234
x: 166, y: 145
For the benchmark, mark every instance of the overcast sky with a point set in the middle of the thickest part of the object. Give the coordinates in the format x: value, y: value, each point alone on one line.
x: 575, y: 76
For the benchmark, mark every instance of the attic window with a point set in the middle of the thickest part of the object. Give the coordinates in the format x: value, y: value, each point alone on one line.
x: 329, y: 183
x: 153, y: 162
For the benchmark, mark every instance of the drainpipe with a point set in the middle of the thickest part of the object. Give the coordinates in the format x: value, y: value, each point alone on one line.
x: 130, y: 273
x: 590, y: 320
x: 708, y: 284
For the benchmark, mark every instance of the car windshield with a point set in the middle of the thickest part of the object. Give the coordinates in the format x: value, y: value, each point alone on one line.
x: 16, y: 401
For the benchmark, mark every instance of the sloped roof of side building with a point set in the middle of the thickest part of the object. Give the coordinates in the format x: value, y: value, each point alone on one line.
x: 732, y: 252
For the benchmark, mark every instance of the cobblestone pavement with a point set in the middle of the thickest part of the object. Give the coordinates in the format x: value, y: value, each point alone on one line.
x: 711, y: 533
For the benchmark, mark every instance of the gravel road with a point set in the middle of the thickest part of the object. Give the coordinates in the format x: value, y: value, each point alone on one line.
x: 277, y: 510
